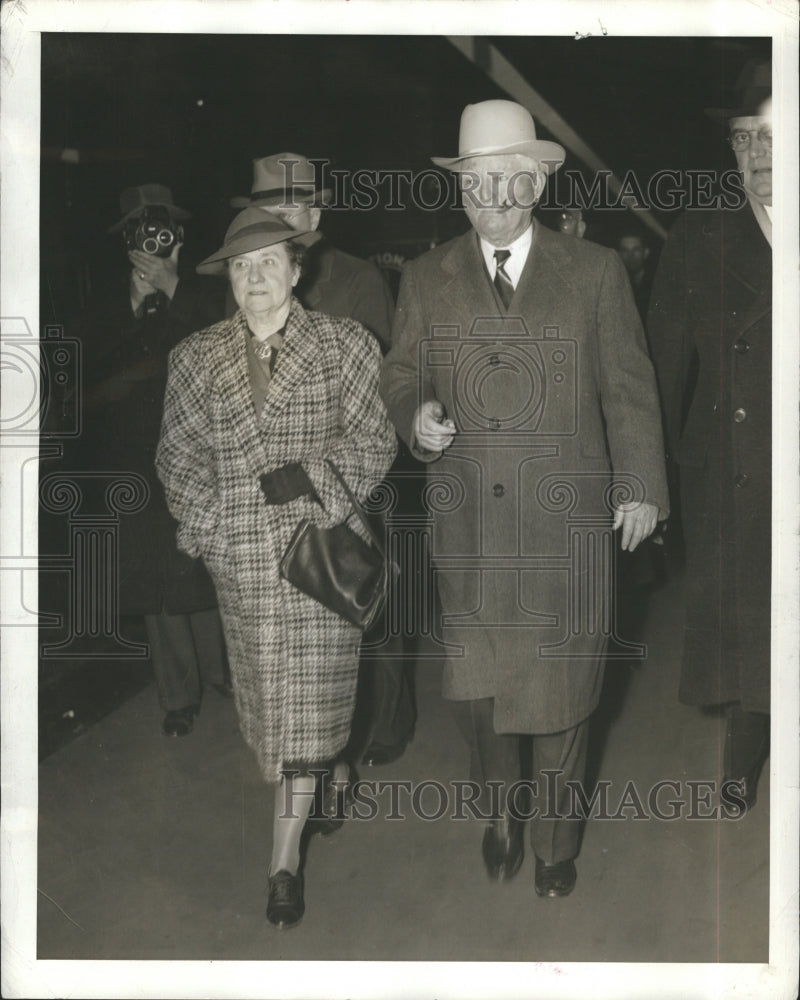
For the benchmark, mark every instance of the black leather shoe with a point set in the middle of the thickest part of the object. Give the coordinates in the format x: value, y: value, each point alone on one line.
x: 555, y: 880
x: 285, y: 906
x: 336, y: 800
x: 179, y: 721
x: 377, y: 754
x: 503, y: 848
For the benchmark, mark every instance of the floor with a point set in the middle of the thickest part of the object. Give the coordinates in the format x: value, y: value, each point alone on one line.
x: 157, y: 848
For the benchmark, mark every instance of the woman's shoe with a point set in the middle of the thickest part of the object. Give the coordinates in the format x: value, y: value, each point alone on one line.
x: 285, y: 906
x: 337, y: 799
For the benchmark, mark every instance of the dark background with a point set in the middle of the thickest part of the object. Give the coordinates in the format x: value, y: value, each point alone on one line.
x: 129, y: 105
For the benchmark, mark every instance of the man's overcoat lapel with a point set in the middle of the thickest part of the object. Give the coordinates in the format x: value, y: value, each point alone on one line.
x: 542, y: 286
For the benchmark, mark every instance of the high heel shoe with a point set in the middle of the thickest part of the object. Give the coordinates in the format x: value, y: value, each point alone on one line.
x: 739, y: 793
x: 285, y: 905
x: 337, y: 800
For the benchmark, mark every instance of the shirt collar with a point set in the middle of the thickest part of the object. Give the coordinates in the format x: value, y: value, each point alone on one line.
x: 519, y: 254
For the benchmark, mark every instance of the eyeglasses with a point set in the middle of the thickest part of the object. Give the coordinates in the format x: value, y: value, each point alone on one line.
x: 740, y: 139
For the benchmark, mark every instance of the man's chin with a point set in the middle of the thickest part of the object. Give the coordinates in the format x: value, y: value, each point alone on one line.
x: 501, y: 234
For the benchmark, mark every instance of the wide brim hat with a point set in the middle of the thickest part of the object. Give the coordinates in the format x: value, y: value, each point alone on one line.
x: 284, y: 179
x: 133, y: 200
x: 253, y: 229
x: 753, y: 87
x: 495, y: 127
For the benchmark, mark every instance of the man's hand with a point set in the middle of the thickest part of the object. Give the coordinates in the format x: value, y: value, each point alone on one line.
x: 155, y: 274
x: 431, y: 430
x: 637, y: 520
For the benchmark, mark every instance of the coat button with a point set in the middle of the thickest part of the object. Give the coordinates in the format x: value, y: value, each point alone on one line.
x: 741, y: 479
x: 498, y: 489
x: 741, y: 346
x: 716, y: 407
x: 739, y: 415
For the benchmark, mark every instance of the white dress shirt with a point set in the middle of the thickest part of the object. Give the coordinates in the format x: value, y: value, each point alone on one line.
x: 519, y: 250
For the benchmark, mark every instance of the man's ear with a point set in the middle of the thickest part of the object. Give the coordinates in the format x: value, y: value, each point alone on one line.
x: 581, y: 229
x: 539, y: 181
x: 315, y: 214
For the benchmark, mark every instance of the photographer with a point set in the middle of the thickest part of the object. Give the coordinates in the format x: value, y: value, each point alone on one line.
x: 127, y: 336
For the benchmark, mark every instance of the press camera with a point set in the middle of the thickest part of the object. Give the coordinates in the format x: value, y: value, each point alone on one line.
x: 152, y: 232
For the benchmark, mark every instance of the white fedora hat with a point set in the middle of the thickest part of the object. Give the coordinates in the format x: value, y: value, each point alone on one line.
x: 494, y: 127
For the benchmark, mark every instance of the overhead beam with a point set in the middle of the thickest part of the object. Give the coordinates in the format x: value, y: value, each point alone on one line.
x: 486, y: 57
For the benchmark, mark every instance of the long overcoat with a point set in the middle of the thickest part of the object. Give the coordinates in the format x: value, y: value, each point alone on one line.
x: 293, y: 662
x: 713, y: 295
x: 547, y: 399
x: 128, y: 355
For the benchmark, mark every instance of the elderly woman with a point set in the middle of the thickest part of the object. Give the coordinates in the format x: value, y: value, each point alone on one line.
x: 254, y: 406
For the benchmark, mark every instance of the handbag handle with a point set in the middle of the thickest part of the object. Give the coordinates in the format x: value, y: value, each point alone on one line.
x: 373, y: 534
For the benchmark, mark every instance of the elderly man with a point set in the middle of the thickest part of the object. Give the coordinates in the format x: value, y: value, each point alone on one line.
x: 518, y: 372
x: 338, y: 284
x: 712, y: 297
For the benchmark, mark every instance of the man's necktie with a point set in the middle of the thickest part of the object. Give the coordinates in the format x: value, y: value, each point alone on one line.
x: 502, y: 282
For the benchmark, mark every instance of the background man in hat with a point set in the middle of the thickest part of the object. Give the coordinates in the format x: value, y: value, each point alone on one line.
x: 634, y: 254
x: 127, y: 335
x: 712, y: 302
x: 338, y: 284
x: 519, y: 372
x: 335, y: 282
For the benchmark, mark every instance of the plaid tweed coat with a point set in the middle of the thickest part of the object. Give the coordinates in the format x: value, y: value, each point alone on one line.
x: 294, y: 663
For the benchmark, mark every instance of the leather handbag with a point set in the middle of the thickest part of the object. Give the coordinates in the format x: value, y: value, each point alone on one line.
x: 337, y: 567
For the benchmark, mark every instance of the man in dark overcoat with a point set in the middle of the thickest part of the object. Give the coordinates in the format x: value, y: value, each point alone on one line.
x: 713, y: 295
x: 127, y: 335
x: 338, y: 284
x: 519, y: 373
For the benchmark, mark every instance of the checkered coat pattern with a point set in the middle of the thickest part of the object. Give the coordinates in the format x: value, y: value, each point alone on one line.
x: 294, y: 663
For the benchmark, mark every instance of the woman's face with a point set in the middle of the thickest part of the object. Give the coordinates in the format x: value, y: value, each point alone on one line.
x: 262, y: 280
